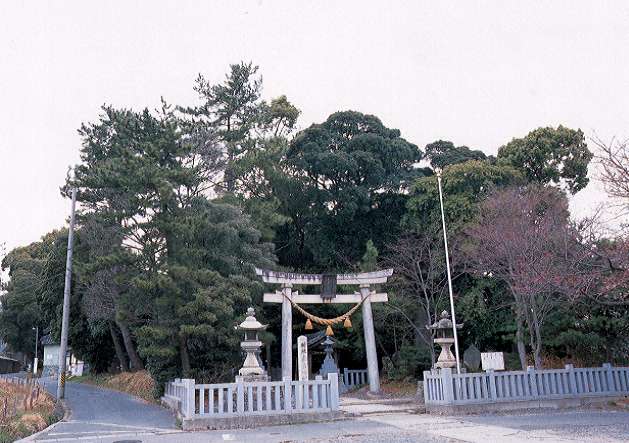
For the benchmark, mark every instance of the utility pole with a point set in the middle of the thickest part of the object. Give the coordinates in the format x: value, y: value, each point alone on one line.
x: 63, y: 349
x: 445, y: 243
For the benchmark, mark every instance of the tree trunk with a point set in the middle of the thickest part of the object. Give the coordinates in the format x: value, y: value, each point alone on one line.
x: 536, y: 338
x: 134, y: 358
x: 185, y: 357
x: 122, y: 359
x: 519, y: 336
x: 268, y: 357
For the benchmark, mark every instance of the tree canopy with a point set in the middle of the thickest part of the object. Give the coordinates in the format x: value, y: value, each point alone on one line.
x: 550, y: 155
x: 179, y: 204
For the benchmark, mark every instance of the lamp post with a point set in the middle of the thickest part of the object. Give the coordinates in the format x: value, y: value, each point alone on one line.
x: 36, y: 360
x: 445, y: 244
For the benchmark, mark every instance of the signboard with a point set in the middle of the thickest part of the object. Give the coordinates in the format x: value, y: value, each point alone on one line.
x: 492, y: 360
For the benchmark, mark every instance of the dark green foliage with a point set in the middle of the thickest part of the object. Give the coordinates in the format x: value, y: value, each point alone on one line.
x: 464, y: 186
x: 549, y: 155
x: 588, y: 333
x: 19, y: 307
x: 443, y: 153
x: 343, y: 176
x: 484, y: 307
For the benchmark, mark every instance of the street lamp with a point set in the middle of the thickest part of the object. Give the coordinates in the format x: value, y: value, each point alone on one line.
x: 36, y: 360
x: 445, y: 243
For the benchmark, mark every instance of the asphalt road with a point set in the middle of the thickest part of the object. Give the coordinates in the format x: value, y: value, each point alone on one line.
x: 98, y: 413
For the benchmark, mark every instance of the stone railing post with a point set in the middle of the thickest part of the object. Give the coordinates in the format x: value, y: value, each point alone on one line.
x: 572, y: 379
x: 610, y: 378
x: 491, y: 376
x: 530, y: 372
x: 427, y: 388
x: 240, y: 398
x: 189, y: 384
x: 288, y: 394
x: 334, y: 391
x: 448, y: 388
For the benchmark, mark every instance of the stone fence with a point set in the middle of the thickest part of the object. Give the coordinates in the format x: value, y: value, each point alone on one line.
x: 252, y: 404
x: 445, y: 391
x: 353, y: 378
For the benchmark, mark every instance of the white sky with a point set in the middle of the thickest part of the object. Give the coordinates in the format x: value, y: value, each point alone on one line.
x: 477, y: 73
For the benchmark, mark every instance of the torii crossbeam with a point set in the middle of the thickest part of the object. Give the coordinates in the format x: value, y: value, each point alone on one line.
x: 286, y: 295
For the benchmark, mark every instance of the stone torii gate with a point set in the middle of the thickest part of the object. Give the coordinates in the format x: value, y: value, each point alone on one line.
x: 366, y: 296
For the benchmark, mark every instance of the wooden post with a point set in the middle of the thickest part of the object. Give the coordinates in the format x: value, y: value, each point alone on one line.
x: 370, y: 341
x: 287, y: 333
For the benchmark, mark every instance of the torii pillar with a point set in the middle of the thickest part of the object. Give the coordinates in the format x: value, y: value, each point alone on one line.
x: 370, y: 340
x: 287, y: 331
x: 363, y: 280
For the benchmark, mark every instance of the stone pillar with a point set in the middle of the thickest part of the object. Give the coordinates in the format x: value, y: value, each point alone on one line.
x: 302, y: 357
x: 370, y: 342
x: 287, y: 333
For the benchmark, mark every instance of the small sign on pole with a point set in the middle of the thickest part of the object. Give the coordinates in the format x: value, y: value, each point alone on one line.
x: 492, y: 360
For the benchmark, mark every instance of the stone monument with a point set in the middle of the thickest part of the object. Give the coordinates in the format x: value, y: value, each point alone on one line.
x: 471, y: 358
x: 302, y: 357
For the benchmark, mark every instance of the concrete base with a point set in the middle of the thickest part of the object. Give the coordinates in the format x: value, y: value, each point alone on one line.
x: 170, y: 403
x: 256, y: 421
x: 561, y: 403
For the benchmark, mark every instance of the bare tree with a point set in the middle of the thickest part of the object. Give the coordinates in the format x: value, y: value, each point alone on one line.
x: 524, y: 237
x: 419, y: 280
x: 613, y: 159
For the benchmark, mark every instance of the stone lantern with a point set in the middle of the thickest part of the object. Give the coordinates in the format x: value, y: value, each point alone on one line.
x: 251, y: 369
x: 444, y: 337
x: 329, y: 365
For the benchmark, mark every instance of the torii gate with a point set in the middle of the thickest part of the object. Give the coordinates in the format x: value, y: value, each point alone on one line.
x: 366, y: 296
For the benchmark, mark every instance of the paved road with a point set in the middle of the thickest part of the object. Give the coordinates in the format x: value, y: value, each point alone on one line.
x: 404, y: 427
x: 105, y: 416
x: 97, y: 413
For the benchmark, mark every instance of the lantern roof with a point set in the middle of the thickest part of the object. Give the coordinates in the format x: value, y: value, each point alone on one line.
x: 251, y: 323
x: 444, y: 322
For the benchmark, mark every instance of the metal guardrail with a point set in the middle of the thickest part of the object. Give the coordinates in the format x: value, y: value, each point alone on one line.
x: 443, y: 387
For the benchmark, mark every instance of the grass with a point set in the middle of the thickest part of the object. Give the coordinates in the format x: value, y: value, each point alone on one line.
x: 22, y: 420
x: 139, y: 384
